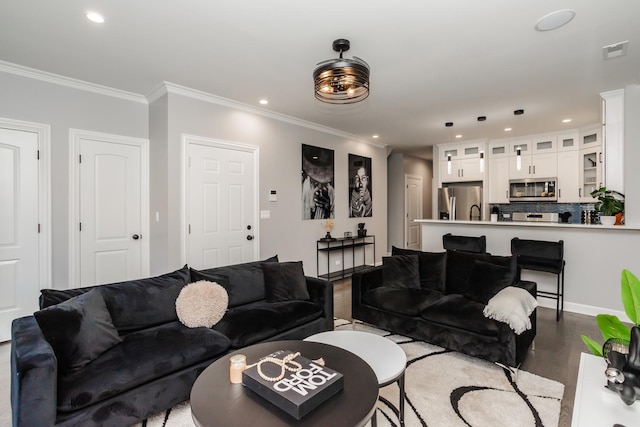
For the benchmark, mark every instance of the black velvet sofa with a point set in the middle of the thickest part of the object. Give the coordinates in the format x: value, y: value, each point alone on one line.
x: 155, y: 359
x: 440, y: 298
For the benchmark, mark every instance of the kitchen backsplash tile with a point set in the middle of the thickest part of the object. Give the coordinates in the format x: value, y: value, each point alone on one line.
x: 575, y: 209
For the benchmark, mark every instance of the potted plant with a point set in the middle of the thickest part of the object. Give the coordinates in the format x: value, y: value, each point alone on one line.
x: 610, y: 325
x: 621, y: 349
x: 610, y: 203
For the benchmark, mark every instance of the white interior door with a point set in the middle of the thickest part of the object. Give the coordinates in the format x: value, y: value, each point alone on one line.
x: 413, y: 210
x: 19, y: 243
x: 220, y: 204
x: 112, y: 211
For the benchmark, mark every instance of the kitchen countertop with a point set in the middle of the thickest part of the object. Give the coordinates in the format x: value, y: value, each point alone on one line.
x: 533, y: 224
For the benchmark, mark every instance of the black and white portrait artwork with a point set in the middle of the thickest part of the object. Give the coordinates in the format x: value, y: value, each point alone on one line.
x: 318, y: 185
x: 360, y: 200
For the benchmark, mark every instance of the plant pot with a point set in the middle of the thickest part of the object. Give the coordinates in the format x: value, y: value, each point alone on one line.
x: 607, y: 220
x: 619, y: 216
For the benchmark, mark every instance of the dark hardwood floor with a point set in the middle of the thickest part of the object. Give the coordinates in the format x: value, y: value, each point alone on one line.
x: 557, y: 345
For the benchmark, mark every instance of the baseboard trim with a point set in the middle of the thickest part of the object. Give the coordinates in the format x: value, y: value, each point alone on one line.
x: 589, y: 310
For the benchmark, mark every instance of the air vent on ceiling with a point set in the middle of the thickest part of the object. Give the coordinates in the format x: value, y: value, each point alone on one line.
x: 615, y: 50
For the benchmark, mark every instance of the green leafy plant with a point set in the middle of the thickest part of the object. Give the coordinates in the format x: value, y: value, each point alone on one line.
x: 610, y: 325
x: 609, y: 202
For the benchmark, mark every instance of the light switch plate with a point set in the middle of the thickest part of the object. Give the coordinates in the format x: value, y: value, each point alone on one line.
x: 265, y: 214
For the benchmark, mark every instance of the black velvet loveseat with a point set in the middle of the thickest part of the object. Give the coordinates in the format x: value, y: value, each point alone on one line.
x: 151, y: 359
x: 440, y: 298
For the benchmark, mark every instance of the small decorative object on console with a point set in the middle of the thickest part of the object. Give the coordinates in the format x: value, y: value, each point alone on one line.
x: 362, y: 232
x: 328, y: 226
x: 293, y: 383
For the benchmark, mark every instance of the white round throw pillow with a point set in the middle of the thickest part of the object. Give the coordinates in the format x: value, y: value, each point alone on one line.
x: 201, y: 304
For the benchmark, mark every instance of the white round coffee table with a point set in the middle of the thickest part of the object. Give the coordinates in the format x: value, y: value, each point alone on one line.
x: 386, y: 358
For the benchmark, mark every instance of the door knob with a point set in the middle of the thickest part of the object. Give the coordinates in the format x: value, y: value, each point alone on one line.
x: 135, y: 237
x: 249, y: 237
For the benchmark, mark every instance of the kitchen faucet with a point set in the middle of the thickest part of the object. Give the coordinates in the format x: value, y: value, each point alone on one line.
x: 471, y: 212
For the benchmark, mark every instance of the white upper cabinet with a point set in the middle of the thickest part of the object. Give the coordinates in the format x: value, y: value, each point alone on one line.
x: 568, y: 142
x: 547, y: 144
x: 498, y: 179
x: 461, y: 162
x: 538, y: 158
x: 568, y: 184
x: 591, y: 138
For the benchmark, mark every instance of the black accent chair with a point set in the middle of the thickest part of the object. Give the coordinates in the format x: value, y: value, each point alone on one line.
x: 476, y: 245
x: 539, y: 255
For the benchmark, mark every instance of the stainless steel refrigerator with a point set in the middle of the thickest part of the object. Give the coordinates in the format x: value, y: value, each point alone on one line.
x: 462, y: 202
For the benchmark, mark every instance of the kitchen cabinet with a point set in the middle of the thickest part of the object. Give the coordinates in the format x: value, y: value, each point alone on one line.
x: 544, y: 144
x: 499, y: 179
x: 461, y: 170
x: 498, y: 149
x: 568, y: 184
x: 568, y: 142
x: 591, y: 138
x: 461, y: 162
x: 534, y: 166
x: 590, y: 165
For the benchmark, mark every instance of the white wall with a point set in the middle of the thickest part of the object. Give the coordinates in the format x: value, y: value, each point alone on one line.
x: 395, y: 186
x: 631, y: 156
x: 280, y: 145
x: 63, y: 108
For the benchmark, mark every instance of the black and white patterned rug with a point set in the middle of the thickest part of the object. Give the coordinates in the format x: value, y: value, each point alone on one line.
x: 445, y: 389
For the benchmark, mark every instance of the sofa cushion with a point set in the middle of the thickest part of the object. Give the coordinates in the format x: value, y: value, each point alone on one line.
x: 142, y: 357
x: 135, y: 304
x: 201, y: 304
x: 251, y: 323
x: 409, y: 302
x: 487, y: 279
x: 459, y: 265
x: 243, y: 282
x: 401, y: 271
x: 432, y: 267
x: 285, y: 281
x: 457, y: 311
x: 79, y: 329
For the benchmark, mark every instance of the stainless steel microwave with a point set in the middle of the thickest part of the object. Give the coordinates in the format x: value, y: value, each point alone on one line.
x: 533, y: 190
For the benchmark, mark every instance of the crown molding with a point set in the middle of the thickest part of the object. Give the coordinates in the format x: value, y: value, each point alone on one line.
x: 172, y: 88
x: 32, y: 73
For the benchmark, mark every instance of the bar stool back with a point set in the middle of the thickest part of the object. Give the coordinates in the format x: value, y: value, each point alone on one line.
x: 465, y: 243
x: 539, y: 255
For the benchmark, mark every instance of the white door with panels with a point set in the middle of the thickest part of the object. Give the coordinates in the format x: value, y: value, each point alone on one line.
x: 221, y: 203
x: 112, y: 208
x: 19, y: 226
x: 413, y: 211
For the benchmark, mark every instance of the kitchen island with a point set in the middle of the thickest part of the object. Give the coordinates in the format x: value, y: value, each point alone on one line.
x: 595, y: 256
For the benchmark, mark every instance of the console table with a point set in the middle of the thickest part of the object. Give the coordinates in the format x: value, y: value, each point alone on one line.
x: 341, y: 245
x: 596, y: 405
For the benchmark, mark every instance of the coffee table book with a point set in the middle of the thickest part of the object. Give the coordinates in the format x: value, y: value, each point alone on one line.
x: 298, y: 393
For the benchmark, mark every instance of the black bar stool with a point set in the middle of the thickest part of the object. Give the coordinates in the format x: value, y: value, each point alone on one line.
x: 464, y: 243
x: 548, y: 257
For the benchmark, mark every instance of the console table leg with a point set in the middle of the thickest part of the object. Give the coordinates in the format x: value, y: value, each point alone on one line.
x: 374, y: 418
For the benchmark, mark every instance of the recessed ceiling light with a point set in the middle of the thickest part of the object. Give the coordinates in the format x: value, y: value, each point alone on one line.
x: 482, y: 118
x: 458, y: 136
x: 448, y: 124
x: 555, y: 20
x: 566, y: 121
x: 375, y: 136
x: 264, y: 102
x: 507, y: 129
x: 518, y: 112
x: 95, y: 17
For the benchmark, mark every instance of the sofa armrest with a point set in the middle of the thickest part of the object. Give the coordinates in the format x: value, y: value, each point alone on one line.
x: 321, y: 293
x: 364, y: 280
x: 531, y: 287
x: 34, y: 375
